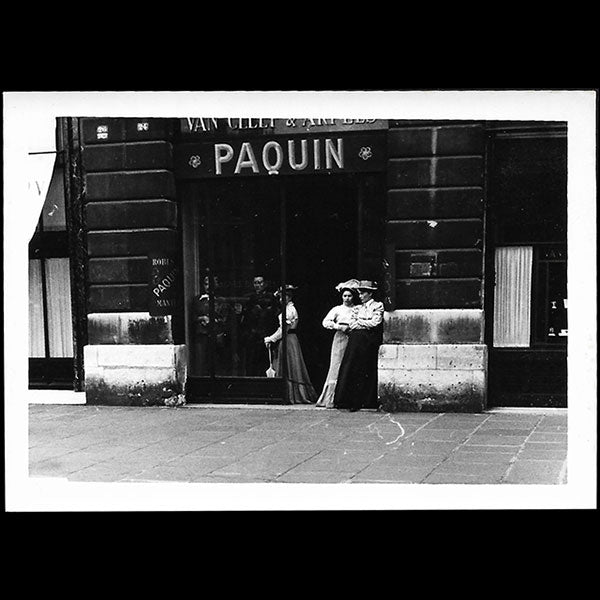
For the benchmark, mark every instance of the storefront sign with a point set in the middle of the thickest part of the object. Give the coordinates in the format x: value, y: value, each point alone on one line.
x: 282, y: 156
x: 204, y: 127
x: 162, y: 287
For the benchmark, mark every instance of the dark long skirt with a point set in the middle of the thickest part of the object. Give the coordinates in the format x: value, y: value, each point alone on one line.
x: 357, y: 381
x: 299, y: 387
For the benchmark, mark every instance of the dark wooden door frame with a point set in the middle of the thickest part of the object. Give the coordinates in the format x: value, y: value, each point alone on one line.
x: 74, y: 200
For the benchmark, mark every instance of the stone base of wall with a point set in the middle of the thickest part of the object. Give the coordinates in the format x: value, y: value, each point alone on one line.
x: 433, y: 378
x: 129, y: 328
x: 135, y: 375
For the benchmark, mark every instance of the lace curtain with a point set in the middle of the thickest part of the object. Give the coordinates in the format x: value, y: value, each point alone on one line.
x: 512, y: 299
x: 58, y: 289
x: 58, y: 306
x: 36, y: 310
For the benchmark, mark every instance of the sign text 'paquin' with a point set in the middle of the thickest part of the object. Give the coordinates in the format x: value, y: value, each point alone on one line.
x: 280, y: 156
x: 162, y: 285
x: 327, y: 153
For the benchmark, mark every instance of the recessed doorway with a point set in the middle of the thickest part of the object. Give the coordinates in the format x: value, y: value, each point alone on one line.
x: 311, y: 232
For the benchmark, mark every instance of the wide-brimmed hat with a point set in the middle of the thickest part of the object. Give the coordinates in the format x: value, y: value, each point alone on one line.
x: 366, y: 284
x: 351, y: 284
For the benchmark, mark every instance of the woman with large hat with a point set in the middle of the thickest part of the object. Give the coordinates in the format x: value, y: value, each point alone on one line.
x: 338, y: 319
x: 299, y: 387
x: 357, y: 380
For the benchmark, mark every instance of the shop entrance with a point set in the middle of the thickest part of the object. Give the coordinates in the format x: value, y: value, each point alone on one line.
x: 243, y: 235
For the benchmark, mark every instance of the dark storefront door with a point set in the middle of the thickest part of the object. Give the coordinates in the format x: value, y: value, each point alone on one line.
x: 308, y: 232
x: 526, y: 293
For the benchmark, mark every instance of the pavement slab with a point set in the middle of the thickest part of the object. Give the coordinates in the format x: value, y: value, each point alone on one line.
x: 462, y: 457
x: 295, y: 476
x: 400, y: 474
x: 536, y: 472
x: 496, y: 440
x: 461, y: 478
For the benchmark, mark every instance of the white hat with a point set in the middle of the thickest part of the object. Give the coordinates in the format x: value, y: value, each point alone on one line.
x: 351, y: 284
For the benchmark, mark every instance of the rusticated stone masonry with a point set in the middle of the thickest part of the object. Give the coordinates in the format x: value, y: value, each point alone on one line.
x: 433, y: 357
x: 130, y: 212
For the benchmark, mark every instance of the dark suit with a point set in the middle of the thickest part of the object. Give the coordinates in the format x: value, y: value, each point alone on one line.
x: 202, y: 329
x: 259, y: 319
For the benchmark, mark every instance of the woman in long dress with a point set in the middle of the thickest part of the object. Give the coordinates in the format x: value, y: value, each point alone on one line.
x: 299, y: 387
x: 338, y: 319
x: 357, y: 381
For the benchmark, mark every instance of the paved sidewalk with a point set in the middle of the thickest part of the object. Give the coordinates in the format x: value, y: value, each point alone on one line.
x: 295, y: 445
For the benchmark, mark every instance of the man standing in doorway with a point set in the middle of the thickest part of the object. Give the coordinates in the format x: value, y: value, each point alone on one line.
x: 259, y: 318
x: 202, y: 330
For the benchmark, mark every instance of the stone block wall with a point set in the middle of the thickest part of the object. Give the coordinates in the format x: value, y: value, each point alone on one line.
x: 441, y: 377
x: 135, y: 375
x: 433, y: 357
x: 130, y: 212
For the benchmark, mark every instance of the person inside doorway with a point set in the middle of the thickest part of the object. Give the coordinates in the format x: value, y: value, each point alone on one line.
x: 258, y: 319
x: 357, y: 381
x: 300, y: 389
x: 338, y: 319
x: 203, y: 328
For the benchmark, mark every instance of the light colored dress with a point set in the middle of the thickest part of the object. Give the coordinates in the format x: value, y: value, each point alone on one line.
x: 337, y: 316
x: 299, y: 387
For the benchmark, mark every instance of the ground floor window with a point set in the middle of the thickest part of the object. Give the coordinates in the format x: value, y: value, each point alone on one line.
x: 233, y: 246
x: 51, y: 341
x: 530, y: 296
x: 551, y: 305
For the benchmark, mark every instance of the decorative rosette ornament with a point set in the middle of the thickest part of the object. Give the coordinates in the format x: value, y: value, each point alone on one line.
x: 195, y: 161
x: 365, y: 152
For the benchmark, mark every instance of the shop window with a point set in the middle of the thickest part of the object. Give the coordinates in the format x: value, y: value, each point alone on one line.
x: 512, y: 302
x: 552, y: 304
x: 530, y: 303
x: 50, y: 317
x: 235, y: 260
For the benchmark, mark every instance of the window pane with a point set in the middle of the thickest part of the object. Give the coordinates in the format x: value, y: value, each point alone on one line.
x: 238, y: 242
x: 53, y: 213
x: 512, y: 298
x: 36, y: 310
x: 58, y: 289
x: 557, y: 288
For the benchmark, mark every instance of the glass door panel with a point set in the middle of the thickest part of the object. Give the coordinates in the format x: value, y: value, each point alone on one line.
x: 237, y: 245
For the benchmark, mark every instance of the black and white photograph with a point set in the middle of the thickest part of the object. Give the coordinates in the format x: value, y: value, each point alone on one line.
x: 308, y: 300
